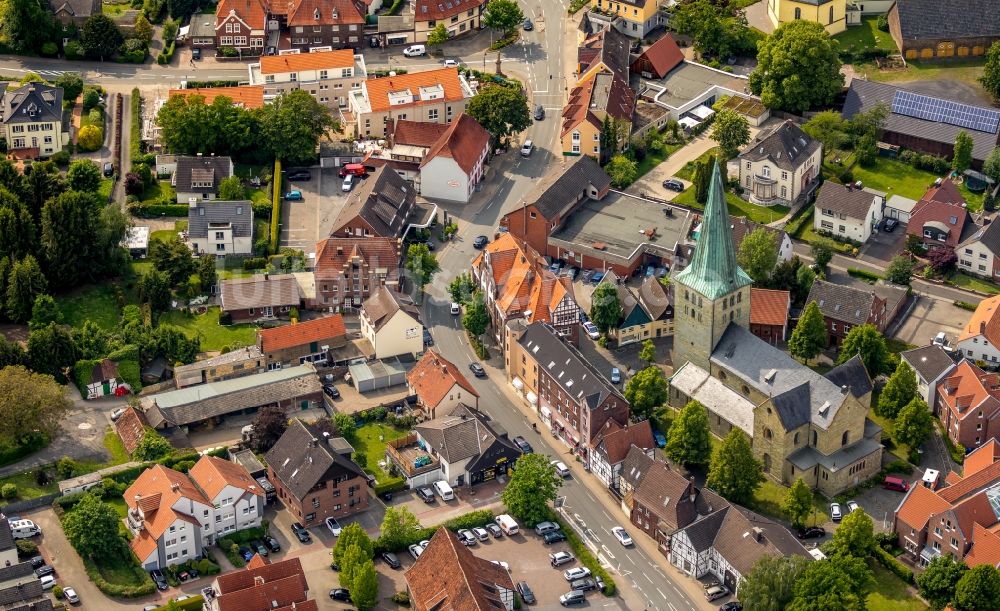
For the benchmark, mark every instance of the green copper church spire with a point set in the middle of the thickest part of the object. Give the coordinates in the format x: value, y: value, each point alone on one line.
x: 713, y: 271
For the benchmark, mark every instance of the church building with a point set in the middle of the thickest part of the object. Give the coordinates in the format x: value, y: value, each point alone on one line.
x: 803, y: 424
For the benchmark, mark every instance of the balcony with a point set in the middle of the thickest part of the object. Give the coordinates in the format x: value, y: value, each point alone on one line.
x: 411, y: 456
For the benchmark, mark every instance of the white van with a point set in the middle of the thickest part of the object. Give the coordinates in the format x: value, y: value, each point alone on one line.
x: 507, y: 524
x: 24, y: 529
x: 444, y: 490
x: 415, y: 51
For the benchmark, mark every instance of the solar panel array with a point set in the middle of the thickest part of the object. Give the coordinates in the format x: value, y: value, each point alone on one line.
x: 945, y: 111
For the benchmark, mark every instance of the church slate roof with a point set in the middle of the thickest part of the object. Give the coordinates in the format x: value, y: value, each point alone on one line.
x: 853, y: 375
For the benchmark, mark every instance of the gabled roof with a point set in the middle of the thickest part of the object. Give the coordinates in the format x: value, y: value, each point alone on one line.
x: 852, y: 203
x: 462, y: 434
x: 955, y: 19
x: 131, y: 426
x: 333, y: 253
x: 434, y: 376
x: 448, y: 576
x: 636, y: 465
x: 301, y: 459
x: 657, y: 300
x: 465, y: 140
x: 200, y: 168
x: 382, y: 305
x: 985, y: 321
x: 379, y: 89
x: 310, y: 13
x: 314, y: 60
x: 667, y: 494
x: 853, y: 375
x: 426, y: 10
x: 985, y: 547
x: 745, y: 537
x: 971, y: 484
x: 204, y: 214
x: 786, y: 146
x: 942, y: 215
x: 415, y: 133
x: 301, y: 333
x: 974, y: 510
x: 605, y: 94
x: 982, y: 457
x: 842, y: 302
x: 247, y: 96
x: 251, y: 12
x: 769, y: 307
x: 259, y: 291
x: 559, y: 190
x: 155, y: 492
x: 265, y: 586
x: 968, y: 390
x: 609, y: 48
x: 919, y: 505
x: 930, y: 362
x: 384, y: 200
x: 615, y: 441
x: 75, y: 8
x: 663, y: 56
x: 988, y: 236
x: 212, y: 475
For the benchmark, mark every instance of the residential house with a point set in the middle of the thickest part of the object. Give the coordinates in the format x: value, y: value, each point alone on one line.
x: 516, y: 283
x: 846, y: 212
x: 742, y: 227
x: 635, y: 18
x: 931, y: 364
x: 574, y: 398
x: 174, y: 516
x: 437, y: 95
x: 957, y: 519
x: 289, y: 388
x: 244, y: 96
x: 348, y: 270
x: 459, y: 17
x: 980, y: 253
x: 326, y: 23
x: 406, y: 145
x: 592, y: 103
x: 923, y: 29
x: 327, y: 75
x: 233, y: 364
x: 845, y: 307
x: 74, y: 12
x: 924, y: 123
x: 439, y: 385
x: 658, y: 59
x: 131, y: 428
x: 968, y: 404
x: 447, y: 575
x: 391, y: 323
x: 831, y: 14
x: 136, y: 241
x: 197, y: 178
x: 314, y: 481
x: 382, y: 206
x: 201, y: 33
x: 31, y: 120
x: 105, y: 380
x: 802, y: 424
x: 780, y: 164
x: 980, y: 339
x: 308, y: 341
x: 558, y: 195
x: 260, y: 297
x: 646, y: 313
x: 220, y: 228
x: 263, y: 586
x: 8, y: 548
x: 20, y: 588
x: 612, y: 445
x: 462, y: 446
x: 453, y: 168
x: 604, y: 52
x: 940, y: 218
x: 241, y: 25
x: 769, y: 314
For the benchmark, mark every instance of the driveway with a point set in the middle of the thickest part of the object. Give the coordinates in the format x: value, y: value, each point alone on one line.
x: 883, y: 246
x: 305, y: 222
x: 652, y: 181
x: 928, y: 317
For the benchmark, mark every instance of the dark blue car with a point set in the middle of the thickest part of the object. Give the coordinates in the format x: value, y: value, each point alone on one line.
x: 661, y: 441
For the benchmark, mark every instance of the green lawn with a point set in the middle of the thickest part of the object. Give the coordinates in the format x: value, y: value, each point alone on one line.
x: 85, y: 118
x: 259, y: 196
x: 687, y: 172
x: 206, y: 327
x: 113, y: 443
x: 964, y: 70
x: 160, y: 189
x: 737, y: 207
x: 105, y: 189
x: 368, y: 442
x: 865, y: 36
x: 965, y: 281
x: 890, y: 593
x: 897, y: 346
x: 97, y: 303
x: 26, y: 486
x: 767, y: 499
x: 651, y: 160
x: 115, y: 10
x: 895, y: 177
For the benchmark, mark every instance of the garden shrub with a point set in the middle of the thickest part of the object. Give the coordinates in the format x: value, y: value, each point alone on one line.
x: 401, y: 598
x: 882, y: 23
x: 228, y: 52
x: 60, y: 158
x: 142, y: 210
x: 26, y: 549
x: 394, y: 485
x: 965, y: 305
x: 863, y: 274
x: 74, y: 50
x: 57, y: 592
x: 255, y: 263
x: 8, y: 491
x: 895, y: 566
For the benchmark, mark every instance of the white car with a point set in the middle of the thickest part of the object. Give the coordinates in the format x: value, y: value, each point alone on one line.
x: 455, y: 309
x: 71, y: 595
x: 48, y: 582
x: 501, y: 564
x: 852, y: 506
x: 334, y: 526
x: 415, y: 51
x: 348, y: 183
x: 527, y: 147
x: 577, y: 572
x: 592, y: 331
x: 450, y: 63
x: 622, y: 536
x: 561, y: 468
x: 835, y: 513
x: 416, y: 550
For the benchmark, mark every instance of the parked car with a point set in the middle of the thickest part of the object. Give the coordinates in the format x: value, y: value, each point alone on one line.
x: 852, y: 506
x: 527, y: 25
x: 426, y: 494
x: 450, y: 63
x: 616, y: 375
x: 391, y: 559
x: 890, y: 225
x: 294, y: 195
x: 673, y: 184
x: 109, y: 168
x: 561, y: 468
x: 545, y: 527
x: 246, y: 553
x: 158, y: 579
x: 586, y: 276
x: 661, y: 440
x: 539, y: 112
x: 466, y: 537
x: 428, y: 340
x: 810, y: 532
x: 71, y: 596
x: 577, y: 572
x: 523, y: 445
x: 732, y: 605
x: 560, y: 558
x: 495, y: 530
x: 348, y: 183
x: 259, y: 547
x: 331, y: 391
x: 456, y: 309
x: 333, y: 525
x: 526, y: 594
x: 592, y: 331
x: 341, y: 594
x: 355, y: 169
x: 416, y: 550
x: 115, y: 415
x: 622, y: 535
x: 37, y: 561
x: 299, y: 175
x: 527, y: 147
x: 415, y: 51
x: 835, y: 513
x: 45, y: 569
x: 301, y: 533
x: 480, y: 242
x: 501, y: 564
x: 272, y: 543
x: 584, y: 585
x: 481, y: 534
x: 895, y: 483
x: 716, y: 592
x: 554, y: 537
x: 48, y: 582
x: 597, y: 277
x: 196, y: 54
x: 572, y: 598
x: 477, y: 370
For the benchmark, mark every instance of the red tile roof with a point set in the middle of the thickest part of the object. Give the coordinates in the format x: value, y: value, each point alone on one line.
x: 301, y: 333
x: 663, y: 56
x: 433, y: 376
x: 974, y: 510
x: 247, y: 96
x: 155, y: 492
x: 615, y: 443
x: 937, y: 206
x: 416, y: 133
x: 448, y: 576
x: 315, y: 60
x: 378, y: 89
x: 465, y: 141
x: 982, y: 457
x: 212, y: 475
x: 968, y: 390
x: 980, y: 480
x: 985, y: 321
x: 332, y: 254
x: 985, y: 548
x: 426, y: 10
x: 251, y: 12
x: 264, y: 587
x: 131, y: 426
x: 920, y: 504
x: 309, y: 13
x: 769, y: 307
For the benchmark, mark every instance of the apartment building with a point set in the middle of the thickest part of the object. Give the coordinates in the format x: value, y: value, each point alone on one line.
x: 433, y: 95
x: 328, y: 75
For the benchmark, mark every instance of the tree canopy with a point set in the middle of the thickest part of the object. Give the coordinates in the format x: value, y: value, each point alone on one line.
x: 502, y: 15
x: 439, y: 35
x: 646, y: 391
x: 937, y: 582
x: 809, y: 336
x: 268, y: 427
x: 829, y: 127
x: 978, y: 589
x: 92, y: 528
x: 898, y: 391
x: 352, y: 534
x: 798, y: 502
x: 865, y: 340
x: 839, y: 582
x: 100, y: 37
x: 718, y: 31
x: 758, y: 254
x: 798, y: 68
x: 533, y: 485
x: 914, y: 424
x: 398, y: 525
x: 25, y: 25
x: 769, y: 586
x: 855, y: 536
x: 605, y: 308
x: 501, y: 110
x: 292, y: 125
x: 962, y: 156
x: 29, y: 403
x: 991, y: 72
x: 622, y: 171
x: 152, y: 446
x: 734, y: 472
x: 476, y: 318
x: 689, y: 440
x: 732, y: 131
x: 900, y: 270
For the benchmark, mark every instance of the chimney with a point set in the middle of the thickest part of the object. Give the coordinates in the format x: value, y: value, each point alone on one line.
x: 174, y: 486
x: 258, y: 580
x: 314, y: 443
x: 340, y: 250
x: 844, y: 389
x: 982, y: 327
x: 265, y: 276
x: 758, y: 534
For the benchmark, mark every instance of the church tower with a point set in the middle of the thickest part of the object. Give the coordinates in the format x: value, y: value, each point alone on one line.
x: 712, y: 291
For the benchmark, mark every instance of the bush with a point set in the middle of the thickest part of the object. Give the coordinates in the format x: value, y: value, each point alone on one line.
x: 26, y: 549
x: 228, y: 52
x: 255, y: 263
x: 394, y: 485
x: 472, y: 519
x: 90, y: 138
x: 894, y: 566
x: 57, y: 592
x: 863, y: 274
x: 142, y: 210
x: 74, y: 50
x: 135, y: 128
x: 899, y: 467
x: 8, y: 491
x: 965, y: 305
x: 275, y: 209
x: 883, y: 22
x: 61, y: 158
x: 50, y: 49
x: 167, y: 54
x: 401, y: 598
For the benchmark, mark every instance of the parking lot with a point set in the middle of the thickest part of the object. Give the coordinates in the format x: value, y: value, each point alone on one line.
x: 927, y: 318
x: 883, y: 246
x: 305, y: 222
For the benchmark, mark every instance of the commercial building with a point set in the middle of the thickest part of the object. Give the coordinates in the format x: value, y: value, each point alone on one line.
x: 433, y: 95
x: 329, y: 76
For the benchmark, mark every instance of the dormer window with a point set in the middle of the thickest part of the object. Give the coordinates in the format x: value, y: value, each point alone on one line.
x: 316, y: 14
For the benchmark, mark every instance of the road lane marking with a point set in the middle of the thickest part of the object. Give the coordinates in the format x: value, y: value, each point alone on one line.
x: 647, y: 578
x: 672, y: 607
x: 630, y: 559
x: 661, y: 593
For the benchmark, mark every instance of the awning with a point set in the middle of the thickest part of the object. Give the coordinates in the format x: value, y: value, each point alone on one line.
x: 532, y: 398
x: 518, y: 384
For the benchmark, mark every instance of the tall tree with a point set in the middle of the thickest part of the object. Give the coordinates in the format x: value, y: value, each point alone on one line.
x: 734, y: 472
x: 152, y: 446
x: 809, y: 336
x: 462, y: 287
x: 40, y: 185
x: 900, y: 270
x: 100, y: 37
x: 173, y: 258
x: 914, y: 424
x: 351, y: 562
x: 605, y: 308
x: 898, y: 391
x: 17, y: 227
x: 798, y: 502
x: 991, y: 72
x: 962, y: 155
x: 143, y: 29
x: 29, y: 402
x: 398, y: 526
x: 476, y: 318
x: 689, y: 440
x: 352, y: 534
x: 758, y: 254
x: 839, y: 582
x: 51, y: 350
x: 870, y: 344
x: 503, y: 16
x: 991, y: 167
x: 532, y: 486
x: 732, y: 131
x: 231, y: 188
x: 648, y: 352
x: 83, y: 175
x: 24, y: 284
x: 798, y: 68
x: 937, y: 582
x: 717, y: 31
x: 822, y: 252
x: 364, y: 586
x: 770, y: 583
x: 622, y: 171
x: 829, y: 127
x: 72, y: 85
x: 207, y: 274
x: 978, y: 589
x: 501, y: 110
x: 292, y: 125
x: 92, y: 341
x: 70, y: 227
x: 25, y: 25
x: 855, y: 536
x: 154, y: 289
x: 421, y: 264
x: 268, y: 427
x: 44, y: 312
x: 646, y: 391
x: 92, y: 528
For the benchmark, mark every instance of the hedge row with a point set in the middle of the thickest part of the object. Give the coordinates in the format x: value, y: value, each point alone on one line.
x: 149, y: 211
x: 194, y: 603
x: 895, y: 566
x: 203, y: 84
x: 167, y: 55
x: 394, y: 485
x: 118, y: 590
x: 965, y: 305
x: 863, y: 274
x: 480, y: 517
x: 584, y: 555
x: 275, y: 208
x: 135, y: 129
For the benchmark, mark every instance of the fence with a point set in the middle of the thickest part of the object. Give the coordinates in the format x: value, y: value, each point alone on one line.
x: 20, y: 506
